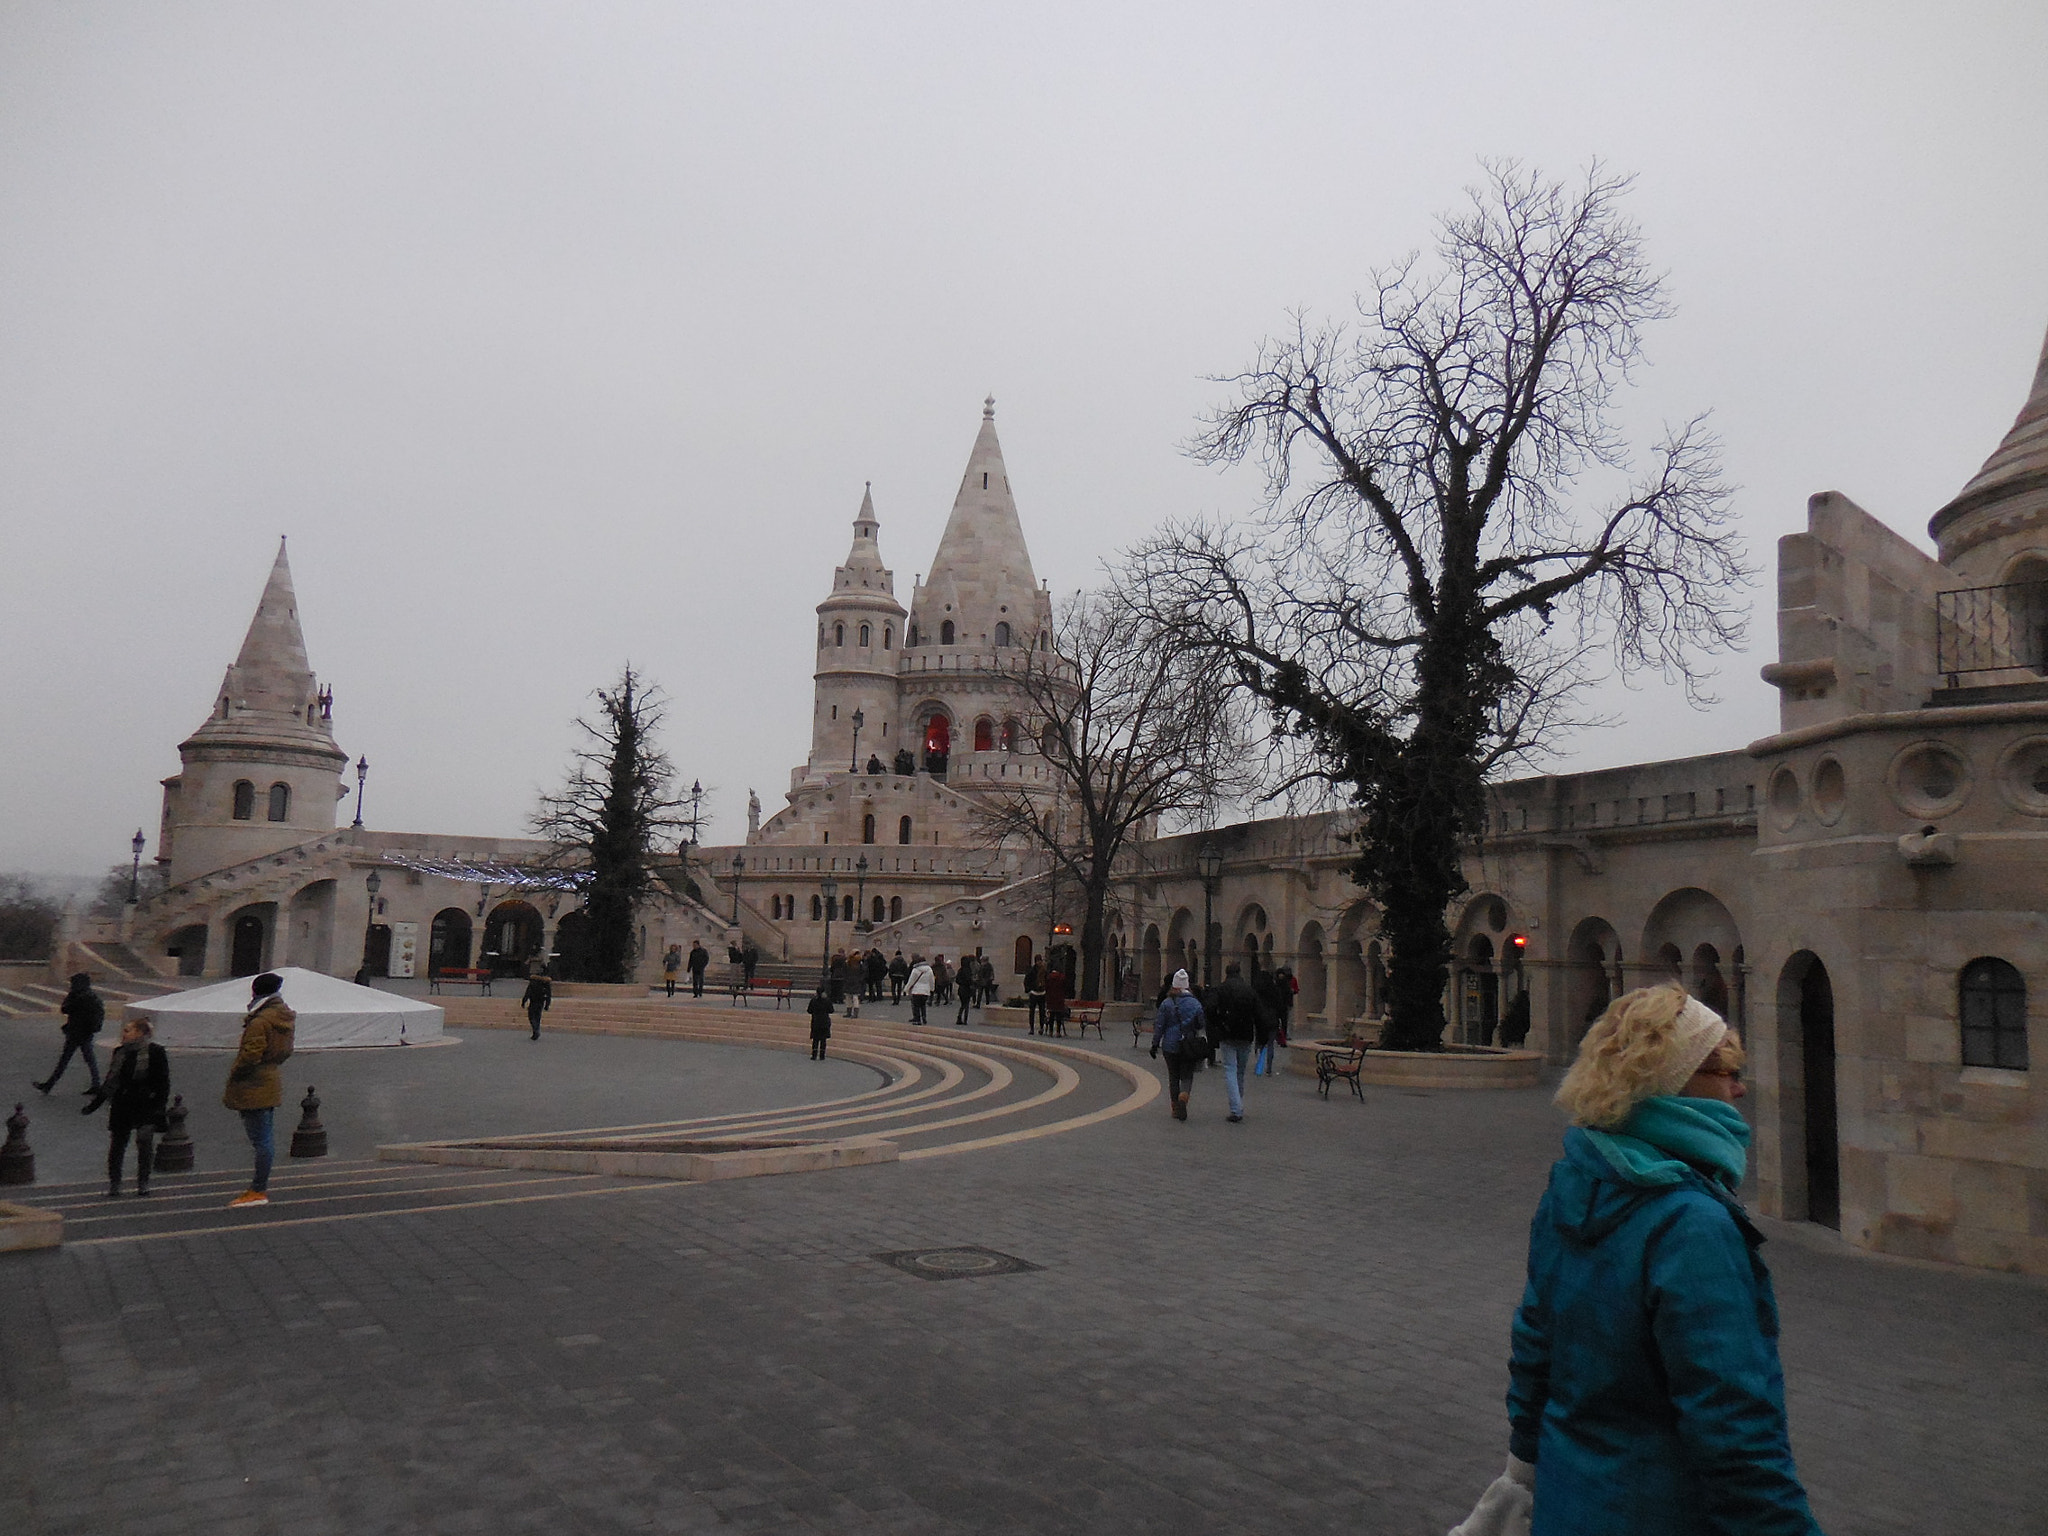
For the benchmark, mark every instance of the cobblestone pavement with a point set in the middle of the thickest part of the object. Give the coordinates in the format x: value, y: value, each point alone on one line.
x: 1294, y: 1324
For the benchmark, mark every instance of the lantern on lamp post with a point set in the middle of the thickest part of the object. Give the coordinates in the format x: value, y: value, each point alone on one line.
x: 362, y: 773
x: 135, y: 870
x: 829, y: 889
x: 374, y: 884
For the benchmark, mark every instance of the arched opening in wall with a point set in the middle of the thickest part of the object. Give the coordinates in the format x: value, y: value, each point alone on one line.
x: 1313, y: 974
x: 309, y: 927
x: 280, y: 802
x: 1148, y: 963
x: 888, y: 637
x: 1740, y: 988
x: 2026, y: 601
x: 1593, y: 970
x: 1810, y: 1136
x: 945, y: 632
x: 1672, y: 963
x: 865, y: 635
x: 1252, y: 938
x: 1020, y: 954
x: 878, y: 911
x: 448, y: 941
x: 511, y: 938
x: 1180, y: 945
x: 984, y: 735
x: 817, y: 909
x: 867, y: 827
x: 187, y: 946
x: 1347, y: 993
x: 378, y: 962
x: 895, y: 909
x: 1049, y: 740
x: 839, y: 634
x: 1708, y: 984
x: 1478, y: 992
x: 846, y: 908
x: 244, y: 800
x: 1011, y: 732
x: 937, y: 732
x: 1991, y: 1006
x: 249, y: 939
x: 571, y: 959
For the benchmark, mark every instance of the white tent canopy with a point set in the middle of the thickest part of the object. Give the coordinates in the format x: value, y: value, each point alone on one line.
x: 331, y: 1013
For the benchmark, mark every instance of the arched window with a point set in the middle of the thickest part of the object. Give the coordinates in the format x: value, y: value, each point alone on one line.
x: 280, y: 802
x: 817, y: 909
x: 245, y: 800
x: 864, y: 635
x: 946, y: 632
x: 867, y: 827
x: 1011, y: 732
x: 1002, y: 632
x: 984, y: 734
x: 888, y: 634
x: 910, y: 635
x: 1049, y: 739
x: 846, y: 909
x: 879, y: 909
x: 903, y: 830
x: 1993, y: 1005
x: 895, y: 909
x: 839, y: 634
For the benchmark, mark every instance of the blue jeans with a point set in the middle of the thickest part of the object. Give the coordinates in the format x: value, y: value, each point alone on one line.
x: 257, y: 1126
x: 1234, y: 1056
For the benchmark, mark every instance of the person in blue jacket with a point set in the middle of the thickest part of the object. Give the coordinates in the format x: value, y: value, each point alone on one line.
x: 1645, y: 1392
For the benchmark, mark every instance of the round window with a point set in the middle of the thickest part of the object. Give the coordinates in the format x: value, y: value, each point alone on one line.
x: 1784, y: 798
x: 2023, y: 775
x: 1830, y: 791
x: 1929, y: 779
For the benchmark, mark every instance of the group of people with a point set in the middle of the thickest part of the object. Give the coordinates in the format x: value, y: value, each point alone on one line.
x: 135, y: 1090
x: 1236, y: 1024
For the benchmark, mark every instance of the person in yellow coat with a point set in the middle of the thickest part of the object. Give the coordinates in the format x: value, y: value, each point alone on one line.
x: 255, y: 1086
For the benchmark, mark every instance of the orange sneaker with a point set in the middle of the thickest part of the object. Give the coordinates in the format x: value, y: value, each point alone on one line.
x: 253, y: 1197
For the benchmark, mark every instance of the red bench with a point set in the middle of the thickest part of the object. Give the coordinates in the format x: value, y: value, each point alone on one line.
x: 465, y: 975
x: 1084, y: 1017
x: 777, y: 987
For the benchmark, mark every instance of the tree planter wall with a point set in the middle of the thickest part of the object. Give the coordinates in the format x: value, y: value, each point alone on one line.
x: 1463, y: 1066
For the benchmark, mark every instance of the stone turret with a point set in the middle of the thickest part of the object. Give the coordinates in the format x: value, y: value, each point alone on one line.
x: 860, y: 635
x: 981, y: 591
x: 262, y: 772
x: 1996, y: 529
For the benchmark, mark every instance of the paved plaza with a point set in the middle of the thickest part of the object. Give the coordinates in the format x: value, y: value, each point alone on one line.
x: 1294, y: 1324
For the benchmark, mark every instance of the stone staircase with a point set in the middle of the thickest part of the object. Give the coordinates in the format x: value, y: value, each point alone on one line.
x: 32, y: 1000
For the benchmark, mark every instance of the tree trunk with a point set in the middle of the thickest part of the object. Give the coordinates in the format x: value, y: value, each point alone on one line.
x: 1093, y: 935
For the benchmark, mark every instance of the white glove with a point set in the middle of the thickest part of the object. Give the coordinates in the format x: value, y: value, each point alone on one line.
x: 1505, y: 1507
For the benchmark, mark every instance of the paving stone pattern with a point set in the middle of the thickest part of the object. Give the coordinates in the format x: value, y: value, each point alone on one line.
x: 1294, y: 1324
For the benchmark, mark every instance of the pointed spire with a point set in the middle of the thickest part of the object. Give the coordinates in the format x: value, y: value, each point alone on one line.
x: 271, y: 685
x: 863, y: 570
x: 2017, y: 465
x: 981, y: 575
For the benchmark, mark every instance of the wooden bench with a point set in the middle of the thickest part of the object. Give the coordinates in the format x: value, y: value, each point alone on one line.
x: 777, y: 987
x: 1335, y: 1064
x: 1084, y: 1017
x: 467, y: 976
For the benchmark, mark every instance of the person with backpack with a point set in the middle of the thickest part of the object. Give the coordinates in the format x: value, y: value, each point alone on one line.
x: 138, y: 1086
x: 1178, y: 1031
x: 84, y: 1013
x: 1238, y: 1019
x: 255, y: 1087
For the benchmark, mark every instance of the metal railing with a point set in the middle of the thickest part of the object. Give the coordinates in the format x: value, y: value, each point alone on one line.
x: 1991, y: 629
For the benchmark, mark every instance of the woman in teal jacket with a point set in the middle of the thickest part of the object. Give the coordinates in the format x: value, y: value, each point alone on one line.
x: 1645, y: 1385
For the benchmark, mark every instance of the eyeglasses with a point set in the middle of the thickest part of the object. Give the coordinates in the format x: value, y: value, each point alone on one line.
x: 1730, y: 1072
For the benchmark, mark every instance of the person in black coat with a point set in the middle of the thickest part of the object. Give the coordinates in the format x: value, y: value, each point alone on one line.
x: 538, y: 997
x: 84, y: 1013
x: 821, y: 1023
x: 137, y: 1089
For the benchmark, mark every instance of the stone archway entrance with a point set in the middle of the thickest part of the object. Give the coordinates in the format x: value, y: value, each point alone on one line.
x: 512, y: 938
x: 1806, y: 1025
x: 247, y: 942
x: 448, y: 941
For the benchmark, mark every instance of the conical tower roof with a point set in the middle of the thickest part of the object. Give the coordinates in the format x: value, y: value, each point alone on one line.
x: 269, y: 694
x: 863, y: 576
x: 2018, y: 465
x: 982, y: 572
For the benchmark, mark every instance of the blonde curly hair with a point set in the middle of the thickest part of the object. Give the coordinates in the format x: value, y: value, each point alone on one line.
x: 1627, y: 1056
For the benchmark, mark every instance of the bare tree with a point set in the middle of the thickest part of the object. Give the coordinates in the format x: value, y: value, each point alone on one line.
x: 1135, y: 724
x: 1454, y: 533
x: 605, y: 821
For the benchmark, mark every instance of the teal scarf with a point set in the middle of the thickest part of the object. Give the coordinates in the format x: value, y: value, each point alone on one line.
x: 1664, y: 1136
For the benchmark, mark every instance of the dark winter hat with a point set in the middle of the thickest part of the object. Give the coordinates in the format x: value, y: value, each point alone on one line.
x: 266, y: 985
x: 81, y: 980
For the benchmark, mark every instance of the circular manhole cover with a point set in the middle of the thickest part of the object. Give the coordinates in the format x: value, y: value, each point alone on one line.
x: 955, y: 1263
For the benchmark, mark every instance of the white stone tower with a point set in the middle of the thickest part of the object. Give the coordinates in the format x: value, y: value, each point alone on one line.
x: 860, y: 636
x: 263, y: 772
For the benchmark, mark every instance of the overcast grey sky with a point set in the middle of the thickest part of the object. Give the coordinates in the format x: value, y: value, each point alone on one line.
x: 561, y: 334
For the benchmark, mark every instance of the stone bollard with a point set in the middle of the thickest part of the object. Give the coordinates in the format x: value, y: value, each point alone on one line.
x: 174, y: 1152
x: 17, y: 1158
x: 310, y: 1139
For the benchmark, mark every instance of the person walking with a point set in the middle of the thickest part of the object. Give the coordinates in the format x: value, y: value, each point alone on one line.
x: 967, y: 981
x: 137, y: 1088
x: 672, y: 967
x: 1178, y: 1031
x: 1645, y: 1391
x: 700, y: 962
x: 255, y: 1087
x: 942, y: 980
x: 821, y: 1023
x: 899, y: 973
x: 1235, y: 1015
x: 538, y: 997
x: 84, y: 1013
x: 920, y: 987
x: 1267, y: 985
x: 1055, y: 1020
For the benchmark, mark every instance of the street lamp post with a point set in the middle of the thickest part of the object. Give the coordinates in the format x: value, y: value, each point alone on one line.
x: 861, y: 923
x: 696, y: 803
x: 362, y: 773
x: 859, y: 720
x: 1209, y: 864
x: 829, y: 889
x: 135, y: 872
x: 739, y: 867
x: 374, y: 884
